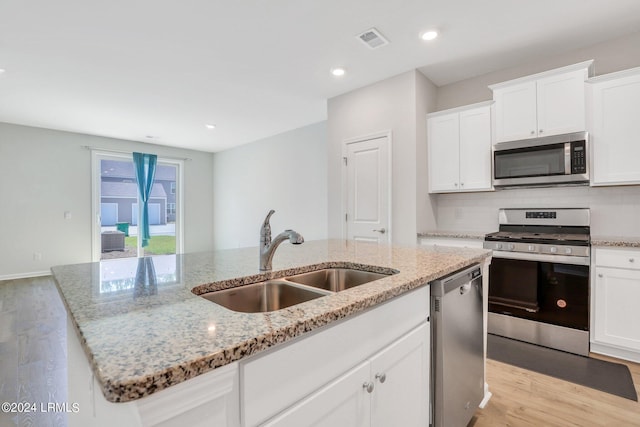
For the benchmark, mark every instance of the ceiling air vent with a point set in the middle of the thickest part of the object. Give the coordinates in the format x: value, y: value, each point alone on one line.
x: 372, y: 38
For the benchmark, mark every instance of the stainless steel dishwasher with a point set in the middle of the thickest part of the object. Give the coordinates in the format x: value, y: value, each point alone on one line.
x: 457, y: 354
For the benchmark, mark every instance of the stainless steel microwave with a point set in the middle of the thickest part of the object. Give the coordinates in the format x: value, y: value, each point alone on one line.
x: 542, y: 162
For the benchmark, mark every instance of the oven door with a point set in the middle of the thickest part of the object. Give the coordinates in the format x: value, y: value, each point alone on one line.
x: 542, y: 288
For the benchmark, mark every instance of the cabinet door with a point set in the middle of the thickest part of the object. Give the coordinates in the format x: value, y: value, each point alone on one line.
x: 561, y: 104
x: 401, y: 377
x: 343, y: 402
x: 475, y: 149
x: 516, y: 113
x: 615, y: 109
x: 443, y: 151
x: 617, y: 318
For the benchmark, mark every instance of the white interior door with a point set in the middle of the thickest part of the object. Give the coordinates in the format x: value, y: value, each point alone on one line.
x: 367, y: 185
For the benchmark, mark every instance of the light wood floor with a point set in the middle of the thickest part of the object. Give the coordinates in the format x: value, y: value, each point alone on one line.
x: 33, y: 369
x: 524, y: 398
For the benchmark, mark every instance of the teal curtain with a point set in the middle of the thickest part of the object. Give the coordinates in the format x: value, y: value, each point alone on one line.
x: 145, y: 166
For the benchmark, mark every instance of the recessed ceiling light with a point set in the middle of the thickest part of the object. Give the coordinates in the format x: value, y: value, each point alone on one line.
x: 338, y: 71
x: 210, y: 126
x: 429, y: 35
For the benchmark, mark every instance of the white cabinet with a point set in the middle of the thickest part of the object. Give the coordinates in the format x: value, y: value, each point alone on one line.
x: 400, y: 375
x: 390, y: 388
x: 282, y: 384
x: 616, y: 292
x: 544, y: 104
x: 613, y: 104
x: 459, y: 149
x: 343, y: 402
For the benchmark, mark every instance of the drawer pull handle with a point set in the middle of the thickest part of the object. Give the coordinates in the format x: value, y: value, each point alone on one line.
x: 368, y: 386
x: 600, y: 275
x: 381, y: 377
x: 631, y: 260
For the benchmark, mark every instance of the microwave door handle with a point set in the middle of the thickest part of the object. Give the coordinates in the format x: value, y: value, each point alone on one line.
x: 567, y: 158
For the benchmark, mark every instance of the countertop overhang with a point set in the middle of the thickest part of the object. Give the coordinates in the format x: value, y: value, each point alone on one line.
x: 143, y: 329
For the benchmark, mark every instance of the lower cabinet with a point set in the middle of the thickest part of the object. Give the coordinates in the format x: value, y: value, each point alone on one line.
x: 616, y: 293
x: 367, y: 367
x: 390, y: 388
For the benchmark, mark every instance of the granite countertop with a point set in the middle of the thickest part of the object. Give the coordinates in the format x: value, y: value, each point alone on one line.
x: 143, y: 329
x: 616, y: 241
x: 454, y: 234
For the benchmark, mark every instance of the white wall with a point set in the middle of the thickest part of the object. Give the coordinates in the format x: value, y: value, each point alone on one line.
x: 387, y: 105
x: 44, y: 173
x: 425, y: 203
x: 286, y: 172
x: 614, y: 210
x: 613, y: 55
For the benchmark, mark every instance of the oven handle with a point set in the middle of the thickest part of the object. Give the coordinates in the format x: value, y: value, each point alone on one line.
x: 558, y: 259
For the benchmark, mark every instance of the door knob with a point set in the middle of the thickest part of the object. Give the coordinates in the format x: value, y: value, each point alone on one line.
x: 381, y: 231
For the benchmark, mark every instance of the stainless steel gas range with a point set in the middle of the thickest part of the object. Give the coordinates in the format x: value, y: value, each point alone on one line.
x: 539, y: 277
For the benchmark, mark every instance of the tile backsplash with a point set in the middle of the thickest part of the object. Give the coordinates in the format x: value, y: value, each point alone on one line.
x: 615, y: 211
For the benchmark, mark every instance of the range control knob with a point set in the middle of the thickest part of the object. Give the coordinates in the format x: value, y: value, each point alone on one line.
x: 553, y: 249
x: 531, y: 248
x: 498, y: 245
x: 567, y: 251
x: 511, y: 246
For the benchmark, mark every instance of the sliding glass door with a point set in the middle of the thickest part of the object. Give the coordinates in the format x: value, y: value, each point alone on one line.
x: 115, y: 208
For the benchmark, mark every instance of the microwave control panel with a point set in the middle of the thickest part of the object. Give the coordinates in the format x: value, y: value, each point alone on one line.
x: 578, y: 157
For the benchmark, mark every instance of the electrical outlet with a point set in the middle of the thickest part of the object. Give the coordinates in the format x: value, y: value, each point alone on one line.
x: 37, y: 256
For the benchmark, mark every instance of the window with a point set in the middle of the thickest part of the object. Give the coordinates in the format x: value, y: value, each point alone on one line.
x: 115, y: 207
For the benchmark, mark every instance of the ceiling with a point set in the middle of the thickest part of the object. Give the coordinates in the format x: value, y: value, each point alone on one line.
x: 159, y: 71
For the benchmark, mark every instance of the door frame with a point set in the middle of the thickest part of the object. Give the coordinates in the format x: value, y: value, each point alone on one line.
x: 96, y: 239
x: 343, y: 187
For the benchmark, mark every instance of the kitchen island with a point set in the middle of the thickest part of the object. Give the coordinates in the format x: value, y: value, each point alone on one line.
x: 137, y: 328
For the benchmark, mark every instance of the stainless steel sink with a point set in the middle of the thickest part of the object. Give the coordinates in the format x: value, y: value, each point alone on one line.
x: 262, y: 297
x: 336, y: 279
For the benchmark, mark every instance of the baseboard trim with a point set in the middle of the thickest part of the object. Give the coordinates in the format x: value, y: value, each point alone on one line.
x: 617, y: 352
x: 25, y: 275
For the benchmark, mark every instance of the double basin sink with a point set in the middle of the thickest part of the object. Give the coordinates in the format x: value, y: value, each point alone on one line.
x: 277, y: 294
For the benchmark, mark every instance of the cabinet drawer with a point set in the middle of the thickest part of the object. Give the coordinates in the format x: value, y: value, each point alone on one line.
x: 453, y: 241
x: 618, y: 258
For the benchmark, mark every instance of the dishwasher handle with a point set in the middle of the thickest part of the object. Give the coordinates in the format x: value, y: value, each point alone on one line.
x: 456, y: 281
x: 465, y: 288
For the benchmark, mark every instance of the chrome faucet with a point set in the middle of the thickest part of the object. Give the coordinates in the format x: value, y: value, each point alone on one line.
x: 268, y: 247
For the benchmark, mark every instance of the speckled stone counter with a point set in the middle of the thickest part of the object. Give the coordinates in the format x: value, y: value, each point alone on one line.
x: 143, y: 329
x: 616, y: 241
x: 454, y: 234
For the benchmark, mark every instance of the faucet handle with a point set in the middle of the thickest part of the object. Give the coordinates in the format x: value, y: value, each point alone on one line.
x: 265, y: 231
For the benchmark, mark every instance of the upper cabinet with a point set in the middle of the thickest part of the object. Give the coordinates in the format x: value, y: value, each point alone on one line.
x: 544, y: 104
x: 613, y: 111
x: 459, y: 149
